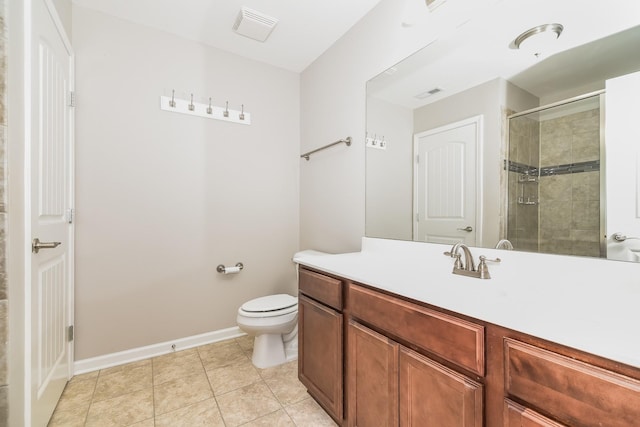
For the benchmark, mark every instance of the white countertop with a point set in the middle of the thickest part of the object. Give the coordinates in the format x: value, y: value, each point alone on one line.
x: 585, y: 303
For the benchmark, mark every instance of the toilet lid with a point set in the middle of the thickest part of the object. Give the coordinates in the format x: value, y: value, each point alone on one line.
x: 270, y: 303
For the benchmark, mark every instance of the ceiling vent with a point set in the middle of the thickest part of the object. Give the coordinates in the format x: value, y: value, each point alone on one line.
x: 253, y: 24
x: 428, y: 93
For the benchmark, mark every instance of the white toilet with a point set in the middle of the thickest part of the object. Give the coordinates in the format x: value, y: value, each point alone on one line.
x: 273, y: 320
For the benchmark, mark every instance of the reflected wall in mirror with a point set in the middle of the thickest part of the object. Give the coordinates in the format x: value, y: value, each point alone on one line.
x: 557, y: 176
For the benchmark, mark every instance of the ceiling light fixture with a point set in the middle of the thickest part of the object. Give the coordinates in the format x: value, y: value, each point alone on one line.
x: 538, y: 39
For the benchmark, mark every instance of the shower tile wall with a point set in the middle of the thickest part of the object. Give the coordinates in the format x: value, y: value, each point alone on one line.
x: 4, y: 302
x: 524, y: 148
x: 569, y: 210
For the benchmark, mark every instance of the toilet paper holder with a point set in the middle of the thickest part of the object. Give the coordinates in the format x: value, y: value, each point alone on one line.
x: 230, y: 270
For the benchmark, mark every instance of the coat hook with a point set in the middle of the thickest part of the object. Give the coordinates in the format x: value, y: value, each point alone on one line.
x: 172, y: 103
x: 191, y: 106
x: 209, y: 109
x: 226, y: 110
x: 242, y: 113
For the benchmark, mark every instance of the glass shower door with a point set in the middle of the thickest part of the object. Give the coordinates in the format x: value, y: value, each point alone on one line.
x: 554, y: 185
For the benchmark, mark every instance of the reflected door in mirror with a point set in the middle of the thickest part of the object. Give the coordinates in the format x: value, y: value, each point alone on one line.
x: 446, y: 183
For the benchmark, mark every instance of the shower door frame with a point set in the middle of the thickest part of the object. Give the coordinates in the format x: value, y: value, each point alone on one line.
x: 603, y: 193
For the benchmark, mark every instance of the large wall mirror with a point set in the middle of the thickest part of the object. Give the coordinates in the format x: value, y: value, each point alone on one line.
x: 475, y: 139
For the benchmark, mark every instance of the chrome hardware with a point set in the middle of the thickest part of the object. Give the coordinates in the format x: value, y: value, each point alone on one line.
x: 468, y: 264
x: 36, y: 245
x: 209, y: 108
x: 172, y: 103
x: 504, y: 244
x: 468, y: 268
x: 467, y: 228
x: 619, y: 237
x: 483, y: 270
x: 222, y: 269
x: 457, y: 263
x: 191, y: 105
x: 346, y: 141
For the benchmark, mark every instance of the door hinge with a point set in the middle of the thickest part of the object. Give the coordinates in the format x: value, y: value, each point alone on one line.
x: 70, y: 333
x: 417, y: 158
x: 72, y: 99
x: 71, y: 214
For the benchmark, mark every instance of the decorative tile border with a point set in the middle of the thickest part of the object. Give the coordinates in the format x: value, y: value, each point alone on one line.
x: 520, y: 168
x: 590, y: 166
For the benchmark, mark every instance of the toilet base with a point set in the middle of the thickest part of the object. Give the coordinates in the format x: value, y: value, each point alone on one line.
x: 269, y: 350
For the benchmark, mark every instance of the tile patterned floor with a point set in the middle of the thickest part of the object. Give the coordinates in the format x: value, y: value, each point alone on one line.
x: 213, y: 385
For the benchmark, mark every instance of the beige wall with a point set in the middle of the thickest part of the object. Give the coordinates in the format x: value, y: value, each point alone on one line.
x: 163, y: 198
x: 389, y: 173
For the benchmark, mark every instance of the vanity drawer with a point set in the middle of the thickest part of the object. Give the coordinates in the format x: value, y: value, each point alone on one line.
x: 574, y: 392
x: 518, y: 415
x: 324, y: 289
x: 456, y: 340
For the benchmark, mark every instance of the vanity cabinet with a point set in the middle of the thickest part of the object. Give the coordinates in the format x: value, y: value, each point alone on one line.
x: 410, y: 363
x: 572, y: 391
x: 320, y: 340
x: 372, y: 378
x: 516, y: 415
x: 390, y: 384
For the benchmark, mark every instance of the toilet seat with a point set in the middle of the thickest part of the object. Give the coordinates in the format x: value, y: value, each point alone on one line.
x: 269, y: 306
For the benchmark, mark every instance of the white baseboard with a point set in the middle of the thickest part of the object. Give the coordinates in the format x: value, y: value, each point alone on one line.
x: 140, y: 353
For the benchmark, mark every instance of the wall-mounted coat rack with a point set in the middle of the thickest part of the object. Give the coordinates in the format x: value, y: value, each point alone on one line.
x: 188, y: 106
x: 376, y: 142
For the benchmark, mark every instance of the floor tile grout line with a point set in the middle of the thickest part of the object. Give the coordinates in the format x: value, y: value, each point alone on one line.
x: 153, y: 393
x: 210, y: 386
x: 95, y: 387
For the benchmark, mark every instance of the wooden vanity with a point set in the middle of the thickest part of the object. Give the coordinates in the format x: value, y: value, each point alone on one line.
x: 374, y: 358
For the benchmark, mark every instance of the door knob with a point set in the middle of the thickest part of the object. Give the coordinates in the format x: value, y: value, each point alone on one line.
x: 36, y: 245
x: 467, y: 228
x: 619, y: 237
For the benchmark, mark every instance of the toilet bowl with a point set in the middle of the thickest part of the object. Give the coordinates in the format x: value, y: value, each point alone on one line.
x: 273, y: 320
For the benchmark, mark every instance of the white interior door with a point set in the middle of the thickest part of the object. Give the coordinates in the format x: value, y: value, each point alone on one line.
x: 622, y: 101
x: 446, y: 193
x: 51, y: 199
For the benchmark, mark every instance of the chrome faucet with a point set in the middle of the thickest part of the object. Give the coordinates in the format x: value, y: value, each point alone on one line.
x: 468, y: 264
x: 468, y: 267
x: 504, y: 244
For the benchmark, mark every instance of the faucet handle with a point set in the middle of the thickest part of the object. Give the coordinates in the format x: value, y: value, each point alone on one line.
x: 483, y: 270
x: 484, y: 259
x: 458, y: 263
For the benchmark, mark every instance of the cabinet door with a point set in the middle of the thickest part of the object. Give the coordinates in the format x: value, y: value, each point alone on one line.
x: 320, y: 354
x: 516, y: 415
x: 434, y: 395
x: 372, y: 378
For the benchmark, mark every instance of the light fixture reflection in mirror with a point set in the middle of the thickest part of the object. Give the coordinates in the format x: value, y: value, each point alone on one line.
x: 539, y: 40
x: 393, y: 110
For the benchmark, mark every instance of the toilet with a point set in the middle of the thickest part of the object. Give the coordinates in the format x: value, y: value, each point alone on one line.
x: 273, y: 320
